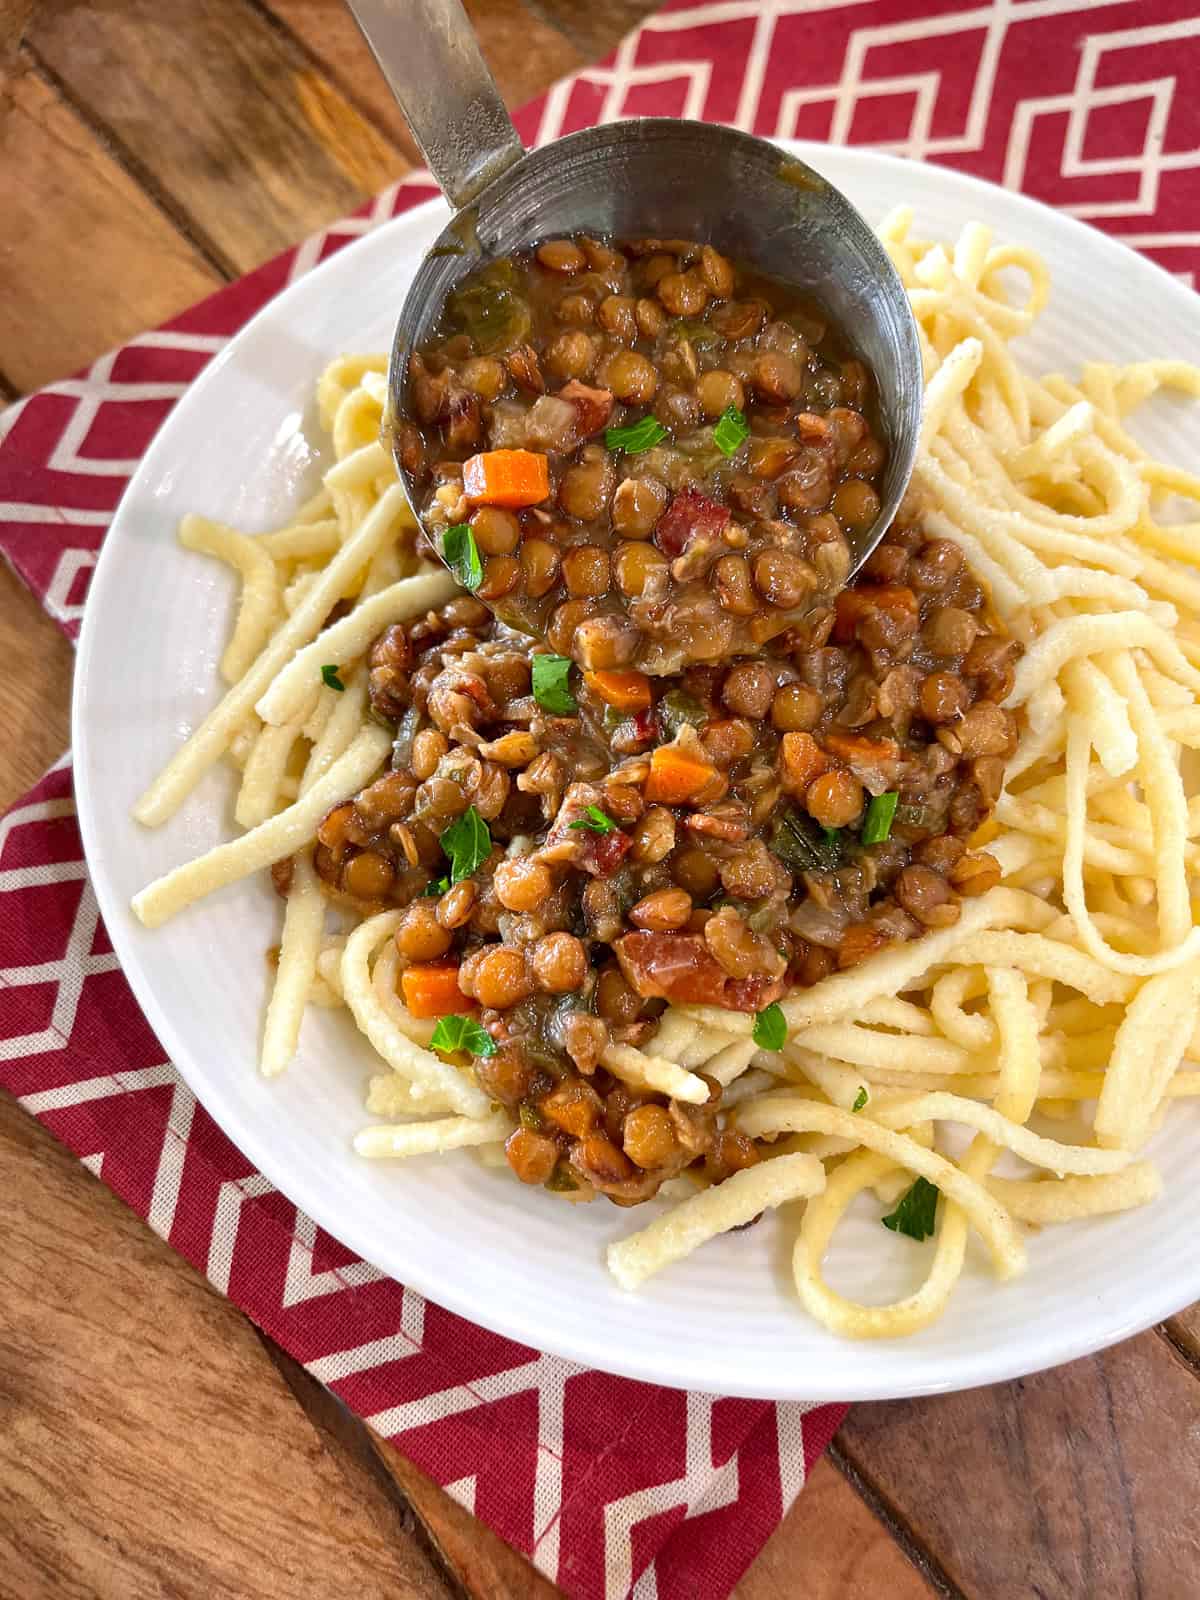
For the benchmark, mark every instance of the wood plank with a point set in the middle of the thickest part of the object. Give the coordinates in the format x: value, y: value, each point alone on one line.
x: 1075, y: 1482
x: 1184, y: 1332
x: 524, y: 52
x: 487, y: 1568
x: 597, y: 27
x: 222, y: 115
x: 35, y: 689
x: 14, y: 16
x: 96, y: 263
x: 149, y: 1447
x: 831, y: 1546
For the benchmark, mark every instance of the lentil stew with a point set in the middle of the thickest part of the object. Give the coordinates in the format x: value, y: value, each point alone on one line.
x: 577, y: 849
x: 644, y: 452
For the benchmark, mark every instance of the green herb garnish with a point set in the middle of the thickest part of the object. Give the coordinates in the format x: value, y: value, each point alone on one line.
x: 878, y: 823
x: 634, y: 437
x: 860, y: 1099
x: 462, y: 1033
x: 678, y: 709
x: 551, y: 684
x: 915, y: 1211
x: 731, y: 431
x: 560, y: 1181
x: 700, y: 333
x: 802, y: 846
x: 461, y: 555
x: 770, y: 1028
x: 329, y: 677
x: 435, y: 889
x: 595, y: 821
x: 490, y: 307
x: 468, y: 843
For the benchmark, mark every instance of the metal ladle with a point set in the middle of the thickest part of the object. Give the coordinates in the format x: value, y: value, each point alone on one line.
x: 656, y: 176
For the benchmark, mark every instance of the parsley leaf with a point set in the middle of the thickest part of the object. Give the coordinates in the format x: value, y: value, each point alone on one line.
x: 770, y: 1028
x: 634, y: 437
x: 435, y: 888
x: 329, y: 676
x: 860, y: 1099
x: 878, y: 823
x: 462, y: 1033
x: 804, y: 847
x: 914, y: 1211
x: 731, y: 432
x: 461, y: 555
x: 551, y: 684
x: 595, y: 821
x: 468, y: 843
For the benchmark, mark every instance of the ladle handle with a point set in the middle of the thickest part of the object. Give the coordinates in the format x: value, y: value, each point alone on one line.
x: 429, y: 55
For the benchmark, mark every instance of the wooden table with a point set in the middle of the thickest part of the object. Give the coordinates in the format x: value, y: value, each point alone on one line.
x: 151, y: 1442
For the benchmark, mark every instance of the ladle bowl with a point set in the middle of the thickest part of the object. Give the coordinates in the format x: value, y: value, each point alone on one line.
x: 650, y: 177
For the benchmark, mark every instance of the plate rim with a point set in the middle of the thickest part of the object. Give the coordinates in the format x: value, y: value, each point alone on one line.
x: 502, y: 1315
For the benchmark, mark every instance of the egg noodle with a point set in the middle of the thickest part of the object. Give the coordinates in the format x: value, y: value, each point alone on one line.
x: 1069, y: 994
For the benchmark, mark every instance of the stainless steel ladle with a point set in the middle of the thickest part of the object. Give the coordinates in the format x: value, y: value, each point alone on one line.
x: 656, y: 176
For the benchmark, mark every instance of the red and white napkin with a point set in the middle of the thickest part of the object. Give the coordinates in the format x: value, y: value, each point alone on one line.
x: 1093, y: 107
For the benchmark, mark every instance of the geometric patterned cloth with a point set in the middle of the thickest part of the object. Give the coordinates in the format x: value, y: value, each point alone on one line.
x: 1092, y: 107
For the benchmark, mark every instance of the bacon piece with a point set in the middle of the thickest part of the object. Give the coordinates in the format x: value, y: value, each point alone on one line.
x: 751, y: 994
x: 690, y: 515
x: 670, y: 966
x: 603, y: 852
x: 594, y: 406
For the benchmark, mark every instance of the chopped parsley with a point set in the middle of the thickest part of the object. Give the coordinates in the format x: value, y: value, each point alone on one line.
x: 731, y: 431
x: 435, y: 888
x: 560, y: 1181
x: 770, y: 1028
x: 462, y: 1033
x: 634, y: 437
x: 595, y: 821
x: 677, y: 709
x: 468, y: 843
x: 329, y: 677
x: 551, y: 684
x: 461, y: 555
x: 915, y: 1211
x: 880, y: 814
x: 860, y: 1099
x: 802, y: 846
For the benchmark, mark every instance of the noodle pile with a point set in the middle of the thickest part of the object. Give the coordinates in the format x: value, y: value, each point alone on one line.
x: 1069, y: 996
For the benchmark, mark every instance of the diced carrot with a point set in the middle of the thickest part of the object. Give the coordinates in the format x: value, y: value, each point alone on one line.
x: 875, y: 762
x: 853, y: 605
x: 431, y: 989
x: 509, y: 478
x: 675, y: 776
x: 627, y: 691
x: 802, y: 760
x: 850, y: 747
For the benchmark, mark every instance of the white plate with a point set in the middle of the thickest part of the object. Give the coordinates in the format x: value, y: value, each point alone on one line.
x: 240, y: 446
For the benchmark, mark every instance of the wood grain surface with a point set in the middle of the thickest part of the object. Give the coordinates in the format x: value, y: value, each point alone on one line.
x: 152, y: 1443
